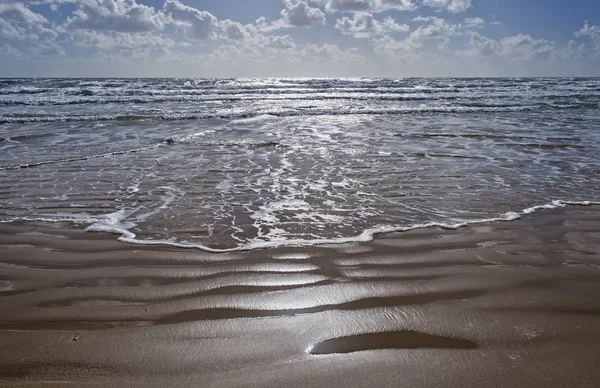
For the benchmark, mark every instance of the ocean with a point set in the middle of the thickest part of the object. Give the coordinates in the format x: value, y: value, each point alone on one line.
x: 238, y: 164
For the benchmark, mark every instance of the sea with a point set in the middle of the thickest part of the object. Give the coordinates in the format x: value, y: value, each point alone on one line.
x: 238, y: 164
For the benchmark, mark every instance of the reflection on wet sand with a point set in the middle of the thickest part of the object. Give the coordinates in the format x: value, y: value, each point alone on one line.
x: 499, y: 304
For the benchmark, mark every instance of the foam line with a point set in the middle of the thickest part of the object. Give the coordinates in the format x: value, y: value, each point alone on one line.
x: 114, y: 224
x: 177, y: 116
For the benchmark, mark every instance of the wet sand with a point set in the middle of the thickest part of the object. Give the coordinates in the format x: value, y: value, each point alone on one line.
x: 504, y: 304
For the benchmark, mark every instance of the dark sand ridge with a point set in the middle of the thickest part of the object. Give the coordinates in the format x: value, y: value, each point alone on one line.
x: 503, y: 304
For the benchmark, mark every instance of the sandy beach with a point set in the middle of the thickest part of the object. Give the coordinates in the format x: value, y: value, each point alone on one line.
x: 503, y: 304
x: 300, y: 193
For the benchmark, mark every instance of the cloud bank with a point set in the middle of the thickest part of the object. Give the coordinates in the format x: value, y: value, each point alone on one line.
x: 362, y: 38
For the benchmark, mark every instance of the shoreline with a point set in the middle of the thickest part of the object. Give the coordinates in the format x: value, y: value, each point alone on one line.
x: 112, y: 224
x: 502, y: 303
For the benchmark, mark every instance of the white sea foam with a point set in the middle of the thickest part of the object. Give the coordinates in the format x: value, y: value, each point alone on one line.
x: 115, y: 223
x: 118, y: 223
x: 241, y: 113
x: 366, y: 236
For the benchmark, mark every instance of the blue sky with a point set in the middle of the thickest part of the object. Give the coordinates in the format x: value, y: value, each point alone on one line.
x: 208, y: 38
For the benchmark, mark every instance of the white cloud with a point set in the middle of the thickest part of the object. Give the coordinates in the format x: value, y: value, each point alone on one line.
x: 525, y: 47
x: 233, y: 30
x: 196, y: 24
x: 10, y: 31
x: 586, y: 46
x: 371, y: 6
x: 473, y: 23
x: 480, y: 46
x: 390, y: 24
x: 519, y: 47
x: 399, y: 5
x: 36, y: 2
x: 17, y: 21
x: 422, y: 18
x: 115, y: 15
x: 20, y: 13
x: 437, y: 29
x: 276, y: 41
x: 389, y: 48
x: 454, y: 6
x: 300, y: 14
x: 202, y: 25
x: 592, y: 31
x: 457, y: 6
x: 349, y: 5
x: 47, y: 49
x: 427, y: 41
x: 436, y: 3
x: 364, y: 25
x: 296, y: 14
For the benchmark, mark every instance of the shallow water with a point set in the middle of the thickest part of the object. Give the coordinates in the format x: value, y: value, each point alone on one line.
x: 244, y: 163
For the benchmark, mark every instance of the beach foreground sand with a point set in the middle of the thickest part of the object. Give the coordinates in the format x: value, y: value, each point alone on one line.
x: 505, y: 304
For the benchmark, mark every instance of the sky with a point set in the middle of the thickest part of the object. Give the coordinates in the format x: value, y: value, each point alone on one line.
x: 299, y: 38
